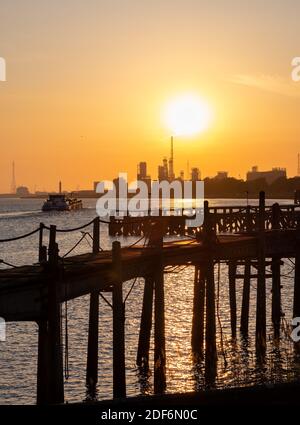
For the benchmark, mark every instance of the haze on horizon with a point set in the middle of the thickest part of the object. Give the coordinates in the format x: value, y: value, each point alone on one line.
x: 87, y: 81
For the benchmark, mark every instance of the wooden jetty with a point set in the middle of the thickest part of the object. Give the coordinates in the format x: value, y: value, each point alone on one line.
x: 251, y: 237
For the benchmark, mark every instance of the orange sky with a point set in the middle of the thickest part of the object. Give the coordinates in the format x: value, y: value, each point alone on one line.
x: 87, y: 83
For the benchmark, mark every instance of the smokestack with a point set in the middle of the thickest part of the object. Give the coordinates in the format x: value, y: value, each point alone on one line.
x: 13, y: 179
x: 60, y: 187
x: 171, y: 162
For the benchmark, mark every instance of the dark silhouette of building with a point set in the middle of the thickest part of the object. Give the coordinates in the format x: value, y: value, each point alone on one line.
x: 222, y: 175
x: 195, y: 174
x: 13, y: 179
x: 163, y: 170
x: 269, y: 176
x: 22, y: 191
x: 171, y: 163
x: 142, y: 174
x: 142, y: 171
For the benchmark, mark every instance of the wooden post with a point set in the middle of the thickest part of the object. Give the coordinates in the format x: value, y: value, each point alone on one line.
x: 261, y: 282
x: 56, y: 380
x: 198, y: 312
x: 43, y: 363
x: 93, y: 338
x: 296, y: 306
x: 42, y: 248
x: 247, y: 282
x: 146, y: 324
x: 276, y: 284
x: 96, y: 235
x: 210, y: 331
x: 232, y: 296
x: 207, y: 225
x: 248, y: 219
x: 119, y: 373
x: 159, y: 319
x: 112, y: 226
x: 246, y: 299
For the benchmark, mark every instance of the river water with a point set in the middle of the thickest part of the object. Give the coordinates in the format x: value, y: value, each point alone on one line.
x: 237, y: 364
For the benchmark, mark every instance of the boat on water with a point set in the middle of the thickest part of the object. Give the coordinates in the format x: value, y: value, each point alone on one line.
x: 60, y: 202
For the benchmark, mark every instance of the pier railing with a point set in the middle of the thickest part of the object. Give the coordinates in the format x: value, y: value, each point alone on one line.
x: 222, y: 219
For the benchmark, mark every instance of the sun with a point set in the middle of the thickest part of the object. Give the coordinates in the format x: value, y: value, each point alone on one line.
x: 187, y: 115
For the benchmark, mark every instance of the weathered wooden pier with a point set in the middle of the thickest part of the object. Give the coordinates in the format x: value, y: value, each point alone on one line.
x: 248, y: 237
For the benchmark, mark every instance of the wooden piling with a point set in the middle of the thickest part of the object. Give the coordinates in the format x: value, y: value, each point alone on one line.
x: 42, y: 248
x: 146, y: 324
x: 43, y: 363
x: 296, y: 305
x: 159, y: 317
x: 96, y: 235
x: 276, y: 284
x: 112, y: 226
x: 93, y: 339
x: 247, y: 282
x: 261, y: 281
x: 56, y: 380
x: 210, y: 328
x: 210, y: 331
x: 119, y: 373
x: 198, y: 312
x: 232, y: 296
x: 246, y: 299
x: 248, y: 219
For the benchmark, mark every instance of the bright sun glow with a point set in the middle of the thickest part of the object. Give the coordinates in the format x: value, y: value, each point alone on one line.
x: 187, y: 115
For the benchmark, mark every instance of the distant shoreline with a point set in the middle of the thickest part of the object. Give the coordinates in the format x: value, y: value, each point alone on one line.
x: 208, y: 196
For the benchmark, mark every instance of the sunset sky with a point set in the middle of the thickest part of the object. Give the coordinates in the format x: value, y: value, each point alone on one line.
x: 87, y: 82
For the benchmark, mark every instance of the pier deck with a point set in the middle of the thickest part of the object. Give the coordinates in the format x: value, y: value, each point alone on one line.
x: 23, y: 289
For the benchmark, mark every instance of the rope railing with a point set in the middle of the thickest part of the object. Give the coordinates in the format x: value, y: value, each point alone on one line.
x: 16, y: 238
x: 7, y: 264
x: 74, y: 229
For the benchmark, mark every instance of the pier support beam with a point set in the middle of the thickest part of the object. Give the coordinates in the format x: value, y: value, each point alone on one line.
x: 261, y: 282
x: 159, y: 323
x: 276, y: 295
x: 296, y: 306
x: 246, y: 299
x: 43, y: 363
x: 146, y: 324
x: 93, y: 339
x: 56, y: 376
x: 96, y: 235
x: 210, y: 318
x: 276, y: 284
x: 232, y: 296
x: 198, y: 312
x: 210, y: 334
x: 119, y: 373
